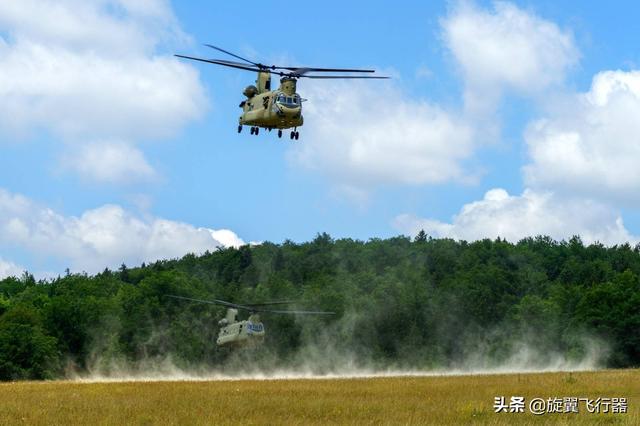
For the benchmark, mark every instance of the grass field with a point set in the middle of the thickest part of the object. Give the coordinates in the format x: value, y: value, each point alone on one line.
x: 397, y: 400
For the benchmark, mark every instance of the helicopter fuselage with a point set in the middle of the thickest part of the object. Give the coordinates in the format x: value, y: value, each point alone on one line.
x: 281, y: 108
x: 249, y: 332
x: 240, y: 333
x: 272, y: 109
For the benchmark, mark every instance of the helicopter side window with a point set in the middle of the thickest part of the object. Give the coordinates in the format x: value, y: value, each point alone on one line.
x: 290, y: 101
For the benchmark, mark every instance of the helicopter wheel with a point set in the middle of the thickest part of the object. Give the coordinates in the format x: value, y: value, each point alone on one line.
x: 257, y: 130
x: 297, y: 135
x: 279, y: 133
x: 253, y: 130
x: 240, y: 128
x: 293, y: 135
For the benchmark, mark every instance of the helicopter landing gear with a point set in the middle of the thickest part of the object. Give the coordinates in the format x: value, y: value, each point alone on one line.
x: 255, y: 130
x: 279, y: 133
x: 294, y: 135
x: 240, y: 128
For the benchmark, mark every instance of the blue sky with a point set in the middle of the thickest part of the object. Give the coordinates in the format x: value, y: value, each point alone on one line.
x: 502, y: 119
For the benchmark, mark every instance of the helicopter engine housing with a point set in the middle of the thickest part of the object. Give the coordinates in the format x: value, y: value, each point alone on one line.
x: 280, y: 108
x: 250, y: 91
x: 288, y: 85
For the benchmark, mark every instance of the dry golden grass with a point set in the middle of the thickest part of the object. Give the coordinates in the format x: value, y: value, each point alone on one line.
x: 404, y: 400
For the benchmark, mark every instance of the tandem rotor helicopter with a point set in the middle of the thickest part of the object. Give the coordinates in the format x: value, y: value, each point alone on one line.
x: 247, y: 332
x: 275, y: 109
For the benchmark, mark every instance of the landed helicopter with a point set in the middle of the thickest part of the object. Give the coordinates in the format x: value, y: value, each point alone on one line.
x: 275, y: 109
x: 247, y: 332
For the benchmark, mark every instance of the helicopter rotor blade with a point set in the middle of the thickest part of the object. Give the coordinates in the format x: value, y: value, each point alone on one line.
x: 296, y: 70
x: 254, y: 307
x: 342, y: 77
x: 211, y: 302
x: 272, y: 311
x: 234, y: 55
x: 223, y: 63
x: 278, y: 302
x: 303, y: 70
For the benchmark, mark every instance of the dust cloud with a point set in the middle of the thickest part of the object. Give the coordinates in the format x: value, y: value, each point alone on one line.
x: 328, y: 356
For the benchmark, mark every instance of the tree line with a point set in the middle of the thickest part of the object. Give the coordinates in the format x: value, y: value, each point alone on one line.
x: 419, y: 303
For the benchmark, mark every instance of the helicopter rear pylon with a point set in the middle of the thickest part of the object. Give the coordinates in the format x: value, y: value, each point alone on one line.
x: 279, y: 108
x: 250, y: 331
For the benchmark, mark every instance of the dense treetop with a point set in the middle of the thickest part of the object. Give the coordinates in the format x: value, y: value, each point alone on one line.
x: 425, y: 303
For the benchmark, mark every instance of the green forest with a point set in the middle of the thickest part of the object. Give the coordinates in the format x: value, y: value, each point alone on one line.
x: 399, y: 302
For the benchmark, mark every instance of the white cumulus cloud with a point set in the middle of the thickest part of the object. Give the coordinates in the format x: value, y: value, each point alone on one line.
x: 506, y: 48
x: 590, y: 145
x: 364, y: 134
x: 514, y: 217
x: 103, y: 237
x: 87, y: 71
x: 110, y: 162
x: 367, y: 134
x: 583, y: 154
x: 9, y: 269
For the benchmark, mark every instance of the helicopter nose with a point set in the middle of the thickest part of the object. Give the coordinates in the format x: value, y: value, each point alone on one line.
x: 291, y: 112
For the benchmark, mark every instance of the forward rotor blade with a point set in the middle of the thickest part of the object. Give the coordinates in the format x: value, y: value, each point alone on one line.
x: 304, y: 70
x: 223, y: 63
x: 296, y: 71
x: 295, y: 312
x: 234, y: 55
x: 343, y: 77
x: 253, y: 307
x: 279, y: 302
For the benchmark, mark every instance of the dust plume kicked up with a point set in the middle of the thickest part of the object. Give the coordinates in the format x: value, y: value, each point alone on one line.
x: 334, y: 351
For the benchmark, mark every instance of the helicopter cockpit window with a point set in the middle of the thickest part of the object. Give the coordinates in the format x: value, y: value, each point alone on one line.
x: 288, y: 101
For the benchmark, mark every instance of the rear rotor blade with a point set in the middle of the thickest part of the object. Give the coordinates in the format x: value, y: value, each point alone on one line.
x: 211, y: 302
x: 295, y: 71
x: 223, y: 63
x: 234, y: 55
x: 255, y: 307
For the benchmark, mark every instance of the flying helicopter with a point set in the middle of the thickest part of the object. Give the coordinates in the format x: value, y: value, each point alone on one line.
x: 281, y: 108
x: 249, y: 332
